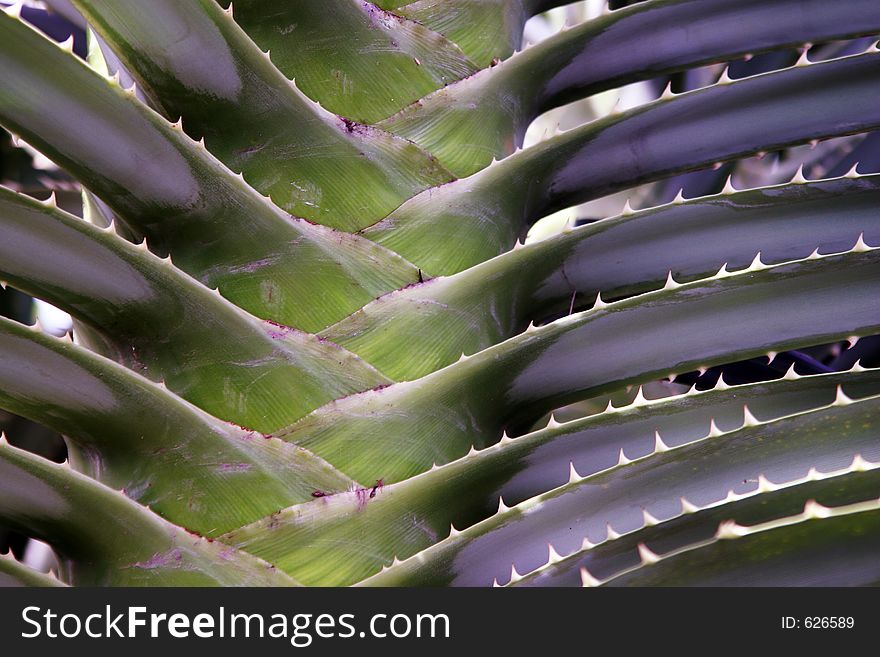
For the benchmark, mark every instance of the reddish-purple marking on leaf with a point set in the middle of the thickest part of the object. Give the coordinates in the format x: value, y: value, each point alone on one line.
x: 319, y: 493
x: 379, y: 485
x: 234, y: 467
x: 160, y: 559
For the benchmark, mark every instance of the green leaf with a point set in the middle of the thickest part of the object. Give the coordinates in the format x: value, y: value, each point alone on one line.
x: 14, y: 573
x: 486, y: 115
x: 164, y: 185
x: 855, y: 483
x: 488, y: 211
x: 352, y: 57
x: 619, y: 256
x: 599, y: 506
x: 133, y: 434
x: 145, y: 313
x: 105, y: 539
x: 312, y: 163
x: 802, y: 550
x: 401, y: 519
x: 401, y: 430
x: 486, y: 30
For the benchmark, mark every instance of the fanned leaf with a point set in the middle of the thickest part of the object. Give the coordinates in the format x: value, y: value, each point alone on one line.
x: 145, y: 313
x: 104, y: 538
x: 627, y: 254
x: 616, y: 500
x: 726, y: 318
x: 488, y: 211
x: 203, y: 67
x: 855, y: 483
x: 355, y: 59
x: 193, y: 469
x: 486, y: 115
x: 365, y: 532
x: 164, y: 185
x: 459, y: 559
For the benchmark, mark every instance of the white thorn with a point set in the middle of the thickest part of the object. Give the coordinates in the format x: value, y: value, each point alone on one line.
x: 178, y: 125
x: 514, y: 576
x: 852, y: 341
x: 51, y: 202
x: 648, y: 519
x: 598, y: 304
x: 587, y: 544
x: 573, y: 476
x: 502, y: 507
x: 749, y: 420
x: 14, y: 10
x: 815, y: 255
x: 756, y: 265
x: 627, y: 209
x: 659, y: 445
x: 771, y: 355
x: 531, y: 327
x: 228, y: 10
x: 688, y: 507
x: 852, y: 173
x: 725, y: 76
x: 860, y: 246
x: 859, y: 464
x: 728, y: 186
x: 679, y: 198
x: 671, y: 283
x: 765, y: 485
x: 814, y: 510
x: 791, y: 375
x: 552, y: 423
x: 647, y: 555
x: 667, y: 92
x: 639, y: 399
x: 610, y: 532
x: 495, y: 584
x: 722, y: 272
x: 610, y: 408
x: 461, y: 358
x: 587, y: 580
x: 67, y: 44
x: 799, y: 178
x: 813, y: 474
x: 472, y: 451
x: 714, y: 431
x: 453, y: 532
x: 552, y: 555
x: 729, y: 529
x: 841, y: 399
x: 857, y: 367
x: 622, y: 458
x: 803, y: 60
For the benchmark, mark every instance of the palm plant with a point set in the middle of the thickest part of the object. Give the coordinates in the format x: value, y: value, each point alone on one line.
x: 310, y: 347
